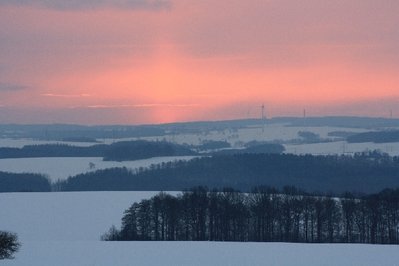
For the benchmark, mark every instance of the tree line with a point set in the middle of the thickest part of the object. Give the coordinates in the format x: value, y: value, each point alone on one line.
x: 388, y: 136
x: 263, y: 215
x: 118, y: 151
x: 254, y: 148
x: 131, y: 150
x: 24, y: 182
x: 67, y: 131
x: 367, y: 173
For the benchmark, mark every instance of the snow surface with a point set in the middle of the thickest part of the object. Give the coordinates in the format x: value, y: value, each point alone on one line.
x: 66, y: 216
x: 271, y: 132
x: 64, y: 229
x: 237, y: 137
x: 62, y: 167
x: 341, y: 147
x: 81, y: 253
x: 284, y: 134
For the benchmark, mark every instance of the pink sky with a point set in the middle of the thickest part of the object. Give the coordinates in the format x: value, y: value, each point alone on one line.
x: 151, y: 61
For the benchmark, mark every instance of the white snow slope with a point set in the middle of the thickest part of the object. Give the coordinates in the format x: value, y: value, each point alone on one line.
x: 64, y: 229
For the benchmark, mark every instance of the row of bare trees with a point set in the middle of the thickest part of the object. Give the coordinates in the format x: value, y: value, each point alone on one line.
x: 264, y: 215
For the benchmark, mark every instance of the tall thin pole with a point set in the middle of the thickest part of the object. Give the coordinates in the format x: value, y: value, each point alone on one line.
x: 263, y: 117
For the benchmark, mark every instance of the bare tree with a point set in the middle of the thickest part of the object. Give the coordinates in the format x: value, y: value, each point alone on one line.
x: 8, y: 245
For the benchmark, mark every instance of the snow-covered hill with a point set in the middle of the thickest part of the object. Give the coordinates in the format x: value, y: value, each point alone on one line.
x: 63, y: 229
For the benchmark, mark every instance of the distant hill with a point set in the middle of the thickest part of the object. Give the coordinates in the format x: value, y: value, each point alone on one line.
x: 118, y: 151
x: 332, y: 121
x: 361, y: 173
x: 342, y: 121
x: 376, y: 137
x: 66, y: 131
x: 62, y: 132
x: 135, y: 150
x: 52, y: 150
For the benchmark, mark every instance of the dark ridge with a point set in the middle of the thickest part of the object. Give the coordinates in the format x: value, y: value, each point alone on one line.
x: 118, y: 151
x: 376, y: 137
x: 363, y: 173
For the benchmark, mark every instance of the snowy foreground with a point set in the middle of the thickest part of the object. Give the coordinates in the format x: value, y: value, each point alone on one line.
x: 202, y: 254
x: 64, y: 229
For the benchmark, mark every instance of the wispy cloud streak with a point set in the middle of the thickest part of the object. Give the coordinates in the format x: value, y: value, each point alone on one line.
x: 65, y: 95
x: 145, y: 105
x: 71, y: 5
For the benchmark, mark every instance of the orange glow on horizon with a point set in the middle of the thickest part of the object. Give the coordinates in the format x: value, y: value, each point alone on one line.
x: 193, y: 62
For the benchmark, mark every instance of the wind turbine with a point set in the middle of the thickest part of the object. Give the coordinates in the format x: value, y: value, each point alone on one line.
x: 304, y: 117
x: 263, y: 117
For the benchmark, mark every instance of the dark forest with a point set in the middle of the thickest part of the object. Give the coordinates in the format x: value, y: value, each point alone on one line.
x: 362, y: 173
x: 264, y: 215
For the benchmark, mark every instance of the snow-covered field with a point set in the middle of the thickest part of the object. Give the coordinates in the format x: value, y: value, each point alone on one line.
x: 82, y: 253
x: 65, y: 216
x: 271, y: 132
x: 282, y: 133
x: 64, y: 229
x: 63, y: 167
x: 237, y: 137
x: 341, y: 147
